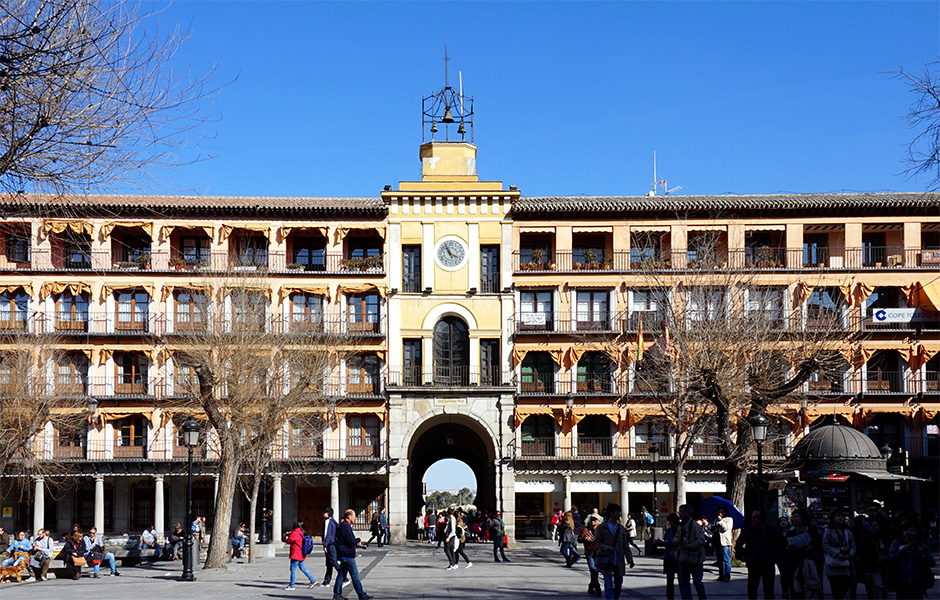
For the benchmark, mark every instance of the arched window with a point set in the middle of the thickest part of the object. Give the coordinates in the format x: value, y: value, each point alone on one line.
x: 452, y: 351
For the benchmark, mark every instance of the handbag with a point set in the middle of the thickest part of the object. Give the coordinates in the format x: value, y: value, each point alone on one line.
x: 836, y: 563
x: 78, y: 561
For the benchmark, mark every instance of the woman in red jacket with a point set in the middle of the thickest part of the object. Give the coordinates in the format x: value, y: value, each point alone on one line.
x: 297, y: 558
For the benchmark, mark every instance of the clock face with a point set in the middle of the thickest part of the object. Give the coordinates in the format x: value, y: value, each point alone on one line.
x: 451, y: 254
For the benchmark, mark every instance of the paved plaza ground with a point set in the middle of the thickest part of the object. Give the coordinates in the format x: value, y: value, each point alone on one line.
x: 398, y: 572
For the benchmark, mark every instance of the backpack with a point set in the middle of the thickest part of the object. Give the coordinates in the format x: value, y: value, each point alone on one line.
x: 306, y: 547
x: 461, y: 534
x: 649, y: 519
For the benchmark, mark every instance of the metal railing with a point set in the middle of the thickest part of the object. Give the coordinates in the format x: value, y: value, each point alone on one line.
x: 444, y: 377
x: 536, y: 322
x: 884, y: 382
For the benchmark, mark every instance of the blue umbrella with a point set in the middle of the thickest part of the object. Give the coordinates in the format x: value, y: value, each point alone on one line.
x: 710, y: 506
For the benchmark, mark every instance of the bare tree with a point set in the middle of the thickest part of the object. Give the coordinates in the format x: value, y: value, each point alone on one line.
x: 923, y: 152
x: 251, y: 376
x: 725, y: 347
x: 88, y: 95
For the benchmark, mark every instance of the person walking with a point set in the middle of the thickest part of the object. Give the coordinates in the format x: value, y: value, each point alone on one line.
x: 568, y: 538
x: 646, y: 524
x: 724, y: 528
x: 450, y: 532
x: 441, y: 527
x: 383, y: 528
x: 759, y: 546
x: 497, y: 531
x: 803, y: 557
x: 871, y: 557
x: 375, y: 530
x: 460, y: 542
x: 669, y: 557
x: 629, y: 526
x: 610, y: 551
x: 329, y: 545
x: 839, y: 553
x: 587, y: 538
x: 346, y: 544
x: 690, y: 554
x: 297, y: 558
x: 911, y: 564
x: 556, y: 524
x: 419, y: 522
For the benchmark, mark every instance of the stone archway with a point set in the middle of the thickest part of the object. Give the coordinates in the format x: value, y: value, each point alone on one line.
x: 451, y: 436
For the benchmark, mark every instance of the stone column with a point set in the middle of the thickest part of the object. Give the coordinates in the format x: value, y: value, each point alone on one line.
x: 567, y: 492
x: 334, y: 497
x: 624, y: 494
x: 39, y: 504
x: 397, y: 501
x: 99, y: 502
x: 277, y: 513
x: 158, y: 510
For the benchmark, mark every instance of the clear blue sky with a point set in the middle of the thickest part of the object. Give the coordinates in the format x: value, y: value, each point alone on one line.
x: 571, y: 97
x: 449, y: 474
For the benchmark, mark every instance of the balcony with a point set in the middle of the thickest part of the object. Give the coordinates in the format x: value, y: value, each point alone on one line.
x: 307, y: 449
x: 69, y: 452
x: 826, y: 386
x: 932, y: 382
x: 15, y: 323
x: 124, y: 387
x: 364, y: 388
x: 458, y: 376
x: 884, y: 382
x: 373, y: 451
x: 537, y: 384
x: 652, y: 321
x: 587, y: 323
x: 918, y: 320
x: 591, y: 448
x: 182, y: 452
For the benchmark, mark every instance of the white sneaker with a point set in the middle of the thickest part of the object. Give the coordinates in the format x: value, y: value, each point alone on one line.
x: 469, y: 564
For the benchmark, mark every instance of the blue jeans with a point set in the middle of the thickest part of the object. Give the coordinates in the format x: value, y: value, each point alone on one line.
x: 687, y: 575
x: 237, y: 545
x: 331, y: 564
x: 347, y: 566
x: 109, y: 557
x: 724, y: 562
x: 613, y: 584
x: 592, y: 568
x: 568, y: 551
x: 294, y: 563
x: 10, y: 561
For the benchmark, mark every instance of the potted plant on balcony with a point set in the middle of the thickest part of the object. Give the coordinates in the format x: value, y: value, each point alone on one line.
x: 178, y: 263
x: 294, y: 266
x: 536, y: 262
x: 143, y: 260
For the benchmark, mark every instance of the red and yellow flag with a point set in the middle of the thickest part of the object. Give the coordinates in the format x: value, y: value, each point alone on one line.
x: 639, y: 339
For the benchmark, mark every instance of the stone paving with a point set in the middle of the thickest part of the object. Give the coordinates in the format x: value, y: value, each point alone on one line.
x: 414, y: 570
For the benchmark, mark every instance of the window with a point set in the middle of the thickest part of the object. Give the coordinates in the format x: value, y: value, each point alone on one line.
x: 411, y: 269
x: 825, y: 309
x: 592, y: 310
x: 13, y: 310
x: 252, y: 251
x: 538, y: 436
x: 765, y: 305
x: 411, y: 351
x: 538, y: 373
x: 646, y: 250
x: 72, y: 375
x: 765, y: 249
x: 249, y: 311
x: 489, y: 269
x: 362, y: 375
x: 646, y: 304
x: 595, y: 373
x: 77, y: 251
x: 133, y: 311
x: 451, y: 352
x: 535, y: 252
x: 816, y: 249
x: 873, y: 249
x: 832, y: 377
x: 306, y: 312
x: 652, y: 375
x: 363, y: 254
x: 310, y: 252
x: 362, y: 440
x: 194, y: 250
x: 705, y: 305
x: 363, y: 313
x: 18, y: 247
x: 191, y: 311
x: 590, y: 252
x: 306, y: 438
x: 8, y: 377
x: 130, y: 437
x: 594, y: 437
x: 489, y: 362
x: 70, y: 441
x: 134, y: 248
x: 71, y: 312
x: 704, y: 249
x: 186, y: 380
x: 536, y: 311
x: 130, y: 377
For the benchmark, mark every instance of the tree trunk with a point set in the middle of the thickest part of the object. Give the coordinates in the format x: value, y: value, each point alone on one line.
x: 252, y: 521
x: 228, y: 480
x: 680, y: 484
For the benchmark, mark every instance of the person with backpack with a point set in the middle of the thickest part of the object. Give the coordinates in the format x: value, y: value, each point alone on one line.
x: 461, y: 542
x: 329, y: 545
x: 301, y: 545
x: 568, y: 539
x: 649, y: 522
x: 556, y: 523
x: 497, y: 531
x: 450, y: 533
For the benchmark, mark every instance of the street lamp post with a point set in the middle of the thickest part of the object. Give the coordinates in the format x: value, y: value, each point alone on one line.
x: 759, y: 425
x: 190, y: 440
x: 263, y: 535
x: 654, y: 458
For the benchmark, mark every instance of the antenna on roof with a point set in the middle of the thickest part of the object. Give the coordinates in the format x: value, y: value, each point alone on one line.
x: 660, y: 182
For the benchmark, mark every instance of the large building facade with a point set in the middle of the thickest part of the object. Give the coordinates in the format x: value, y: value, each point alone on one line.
x: 483, y: 322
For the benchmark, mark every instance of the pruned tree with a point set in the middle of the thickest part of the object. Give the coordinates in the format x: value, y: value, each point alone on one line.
x: 726, y: 346
x: 251, y: 376
x: 923, y: 152
x: 89, y: 97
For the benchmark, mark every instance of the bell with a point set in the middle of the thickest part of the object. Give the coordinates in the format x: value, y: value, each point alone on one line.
x: 461, y: 130
x: 448, y: 116
x: 433, y: 127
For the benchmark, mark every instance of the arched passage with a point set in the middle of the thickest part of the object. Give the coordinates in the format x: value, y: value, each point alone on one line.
x: 451, y: 436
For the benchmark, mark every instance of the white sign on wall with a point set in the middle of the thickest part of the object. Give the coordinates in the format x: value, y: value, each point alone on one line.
x: 593, y: 485
x: 535, y: 485
x: 898, y: 315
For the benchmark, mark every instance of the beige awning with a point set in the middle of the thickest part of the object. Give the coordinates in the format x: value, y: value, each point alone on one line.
x: 765, y: 227
x: 287, y: 229
x: 707, y: 227
x: 226, y: 230
x: 108, y: 227
x: 345, y: 229
x: 247, y: 289
x: 107, y: 290
x: 55, y: 288
x: 925, y: 295
x: 287, y: 290
x: 169, y: 288
x: 362, y: 289
x: 519, y: 352
x: 523, y: 412
x: 57, y: 226
x: 537, y: 229
x: 168, y: 229
x: 649, y: 229
x: 592, y: 229
x: 12, y: 287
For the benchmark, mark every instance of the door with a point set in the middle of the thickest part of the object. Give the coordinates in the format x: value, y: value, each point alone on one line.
x: 451, y: 352
x: 310, y: 504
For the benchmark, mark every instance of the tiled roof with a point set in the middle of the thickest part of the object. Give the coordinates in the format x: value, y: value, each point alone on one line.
x: 773, y: 202
x: 248, y: 204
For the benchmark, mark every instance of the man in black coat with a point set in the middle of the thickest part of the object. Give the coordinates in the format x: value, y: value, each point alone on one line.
x: 760, y: 546
x: 611, y: 551
x: 346, y: 544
